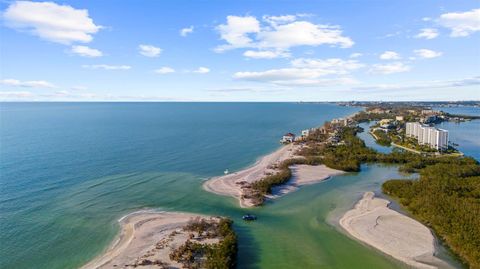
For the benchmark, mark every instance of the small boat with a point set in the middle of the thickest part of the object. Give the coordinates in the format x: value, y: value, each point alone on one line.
x: 226, y: 171
x: 249, y: 217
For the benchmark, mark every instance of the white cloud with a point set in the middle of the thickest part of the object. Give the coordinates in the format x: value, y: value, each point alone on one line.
x: 391, y: 68
x: 164, y: 70
x: 185, y: 31
x: 305, y: 72
x: 149, y: 50
x: 330, y: 66
x: 265, y: 54
x: 75, y: 96
x: 15, y: 95
x: 202, y: 70
x: 279, y: 33
x: 436, y: 84
x: 461, y: 23
x: 275, y: 20
x: 426, y: 19
x: 50, y: 21
x: 426, y: 53
x: 236, y: 32
x: 390, y: 55
x: 355, y: 55
x: 107, y: 67
x: 86, y: 51
x: 27, y: 84
x: 302, y: 33
x: 427, y: 33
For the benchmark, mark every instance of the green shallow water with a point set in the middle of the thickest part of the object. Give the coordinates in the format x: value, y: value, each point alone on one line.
x: 297, y: 230
x: 69, y: 172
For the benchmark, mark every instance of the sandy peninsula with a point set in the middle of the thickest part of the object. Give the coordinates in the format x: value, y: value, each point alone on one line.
x: 234, y: 184
x: 147, y: 239
x: 305, y: 175
x: 374, y: 223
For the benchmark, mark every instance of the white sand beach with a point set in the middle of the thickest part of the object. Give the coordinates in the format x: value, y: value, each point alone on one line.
x: 231, y: 184
x: 374, y: 223
x: 305, y: 175
x: 147, y: 236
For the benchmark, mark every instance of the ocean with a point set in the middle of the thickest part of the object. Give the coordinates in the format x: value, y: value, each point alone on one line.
x: 70, y: 171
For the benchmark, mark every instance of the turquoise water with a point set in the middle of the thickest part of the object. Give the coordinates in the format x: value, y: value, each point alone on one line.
x: 69, y: 171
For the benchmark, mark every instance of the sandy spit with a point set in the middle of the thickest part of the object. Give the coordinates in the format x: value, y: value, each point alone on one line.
x: 145, y: 235
x: 305, y: 175
x: 230, y: 184
x: 374, y: 223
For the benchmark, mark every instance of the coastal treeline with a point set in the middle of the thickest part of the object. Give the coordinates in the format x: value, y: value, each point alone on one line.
x: 346, y: 156
x: 352, y: 152
x: 221, y: 255
x: 447, y: 199
x: 382, y: 138
x: 264, y: 186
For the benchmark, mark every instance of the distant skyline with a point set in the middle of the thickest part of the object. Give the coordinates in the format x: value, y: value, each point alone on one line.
x: 239, y: 50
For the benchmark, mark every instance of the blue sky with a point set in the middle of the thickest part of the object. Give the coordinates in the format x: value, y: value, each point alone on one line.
x: 239, y: 50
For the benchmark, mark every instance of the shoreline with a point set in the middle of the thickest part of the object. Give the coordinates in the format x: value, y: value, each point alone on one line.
x: 233, y: 184
x: 144, y: 236
x: 229, y: 185
x: 374, y: 223
x: 303, y: 175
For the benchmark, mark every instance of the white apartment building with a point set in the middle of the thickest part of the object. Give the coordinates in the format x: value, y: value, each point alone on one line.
x: 426, y: 135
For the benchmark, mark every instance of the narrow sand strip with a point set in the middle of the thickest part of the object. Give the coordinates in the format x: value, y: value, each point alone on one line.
x: 231, y: 184
x: 146, y: 235
x: 372, y: 222
x: 305, y: 175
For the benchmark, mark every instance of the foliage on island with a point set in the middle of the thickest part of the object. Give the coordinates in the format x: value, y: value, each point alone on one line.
x: 264, y: 186
x: 446, y: 198
x: 363, y: 116
x: 221, y: 255
x: 347, y: 157
x: 382, y: 138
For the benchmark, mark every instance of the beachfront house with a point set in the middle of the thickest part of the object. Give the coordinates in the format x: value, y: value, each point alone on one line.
x: 288, y: 138
x: 386, y: 124
x: 428, y: 112
x: 306, y: 132
x: 340, y: 122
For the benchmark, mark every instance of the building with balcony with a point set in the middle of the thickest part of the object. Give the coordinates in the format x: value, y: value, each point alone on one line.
x: 427, y: 135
